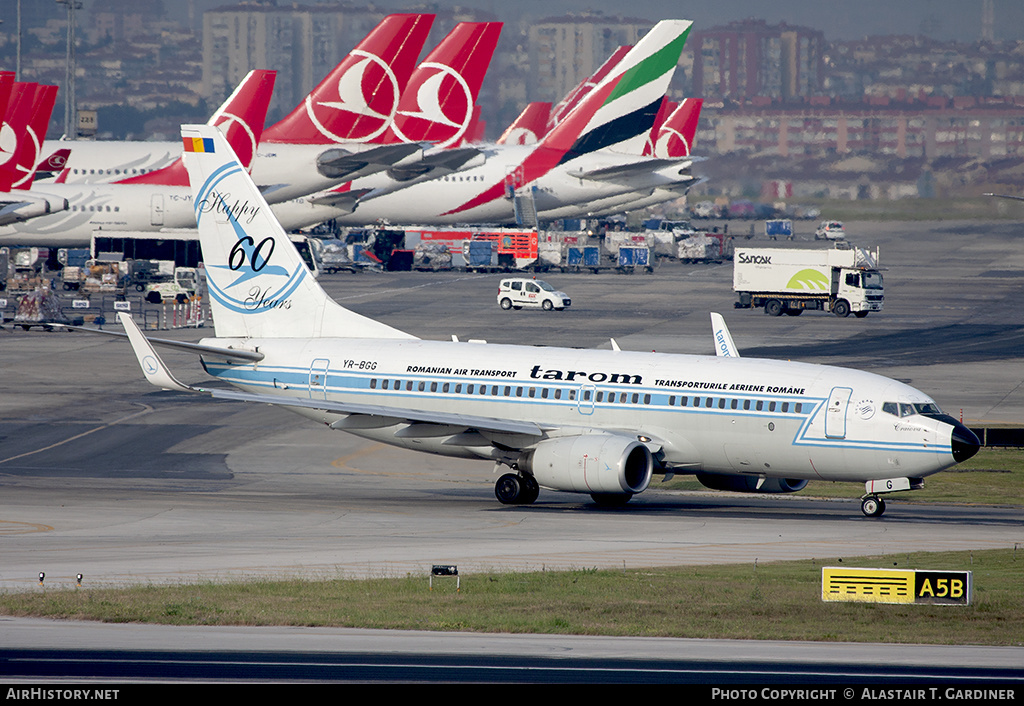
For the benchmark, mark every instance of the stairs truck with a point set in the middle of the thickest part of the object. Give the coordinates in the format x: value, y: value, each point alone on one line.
x: 841, y: 280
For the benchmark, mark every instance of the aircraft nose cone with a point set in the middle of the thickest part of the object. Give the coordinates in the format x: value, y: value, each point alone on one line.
x: 964, y: 442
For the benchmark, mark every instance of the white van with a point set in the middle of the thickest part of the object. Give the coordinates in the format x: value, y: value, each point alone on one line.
x: 518, y: 292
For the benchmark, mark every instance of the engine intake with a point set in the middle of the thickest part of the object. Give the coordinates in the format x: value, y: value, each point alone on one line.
x: 748, y: 484
x: 592, y: 463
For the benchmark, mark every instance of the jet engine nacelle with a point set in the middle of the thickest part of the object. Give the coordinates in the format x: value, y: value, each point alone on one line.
x: 15, y: 208
x: 749, y: 484
x: 592, y: 463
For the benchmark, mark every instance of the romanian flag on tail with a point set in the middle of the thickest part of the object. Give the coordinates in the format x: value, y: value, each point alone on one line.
x: 198, y: 144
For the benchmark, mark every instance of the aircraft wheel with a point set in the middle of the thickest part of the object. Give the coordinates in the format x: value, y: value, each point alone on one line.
x: 508, y: 489
x: 531, y: 490
x: 506, y: 303
x: 872, y: 506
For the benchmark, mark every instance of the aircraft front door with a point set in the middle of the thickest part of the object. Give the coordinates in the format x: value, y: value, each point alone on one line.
x: 835, y: 414
x: 318, y: 379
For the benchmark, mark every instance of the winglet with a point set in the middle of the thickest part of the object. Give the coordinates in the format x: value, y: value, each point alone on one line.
x: 152, y: 366
x: 724, y: 345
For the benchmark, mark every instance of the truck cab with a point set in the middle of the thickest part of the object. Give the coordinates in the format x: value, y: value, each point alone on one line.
x: 857, y: 290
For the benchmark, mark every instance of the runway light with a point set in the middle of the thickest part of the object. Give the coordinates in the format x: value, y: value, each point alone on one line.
x: 42, y: 576
x: 79, y: 580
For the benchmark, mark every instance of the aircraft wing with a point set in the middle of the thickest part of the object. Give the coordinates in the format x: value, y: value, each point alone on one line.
x: 435, y: 164
x: 391, y: 415
x: 338, y: 163
x: 422, y: 422
x: 19, y: 207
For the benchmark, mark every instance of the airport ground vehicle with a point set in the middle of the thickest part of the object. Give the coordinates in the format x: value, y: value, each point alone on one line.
x: 180, y: 286
x: 517, y: 292
x: 787, y: 281
x: 830, y: 230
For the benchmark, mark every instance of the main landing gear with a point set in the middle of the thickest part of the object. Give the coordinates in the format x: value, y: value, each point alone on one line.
x: 516, y: 489
x: 872, y: 506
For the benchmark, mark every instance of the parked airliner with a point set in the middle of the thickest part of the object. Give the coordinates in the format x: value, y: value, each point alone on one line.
x: 604, y: 133
x: 600, y: 422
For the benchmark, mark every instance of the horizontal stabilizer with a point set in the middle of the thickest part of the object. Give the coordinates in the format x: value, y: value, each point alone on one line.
x: 621, y: 172
x: 233, y: 354
x: 341, y: 200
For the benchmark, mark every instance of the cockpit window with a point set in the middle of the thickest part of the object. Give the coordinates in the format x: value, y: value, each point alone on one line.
x: 906, y: 409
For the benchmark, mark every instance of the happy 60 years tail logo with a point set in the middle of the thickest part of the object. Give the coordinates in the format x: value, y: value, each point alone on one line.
x: 255, y: 277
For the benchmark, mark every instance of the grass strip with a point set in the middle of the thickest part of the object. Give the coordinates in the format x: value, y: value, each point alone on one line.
x: 778, y: 601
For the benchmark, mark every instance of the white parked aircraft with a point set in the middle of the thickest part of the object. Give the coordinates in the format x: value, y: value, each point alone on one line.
x: 147, y: 202
x: 600, y: 422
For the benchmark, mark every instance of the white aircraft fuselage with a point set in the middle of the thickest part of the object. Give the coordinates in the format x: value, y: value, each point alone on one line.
x: 760, y: 418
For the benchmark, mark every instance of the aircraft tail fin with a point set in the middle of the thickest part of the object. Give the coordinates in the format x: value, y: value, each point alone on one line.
x: 240, y: 117
x: 27, y: 118
x: 620, y: 108
x: 259, y: 286
x: 565, y: 106
x: 529, y: 127
x: 437, y: 104
x: 357, y: 101
x: 676, y: 136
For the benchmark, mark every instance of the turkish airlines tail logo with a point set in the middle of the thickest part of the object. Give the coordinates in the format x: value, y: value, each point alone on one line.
x: 437, y: 105
x: 22, y: 134
x: 676, y: 136
x: 358, y: 100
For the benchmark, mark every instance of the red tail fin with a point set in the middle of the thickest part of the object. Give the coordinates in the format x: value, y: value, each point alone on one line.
x: 55, y: 162
x: 529, y: 127
x: 25, y: 128
x: 357, y: 101
x: 437, y: 105
x: 666, y: 109
x: 676, y: 136
x: 240, y: 118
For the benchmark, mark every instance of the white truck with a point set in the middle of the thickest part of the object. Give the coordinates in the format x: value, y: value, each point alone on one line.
x: 843, y: 279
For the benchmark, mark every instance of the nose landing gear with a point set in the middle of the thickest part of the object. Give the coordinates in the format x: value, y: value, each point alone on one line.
x: 872, y: 506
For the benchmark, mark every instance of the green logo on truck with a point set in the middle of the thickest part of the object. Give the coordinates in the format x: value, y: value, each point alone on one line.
x: 809, y: 279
